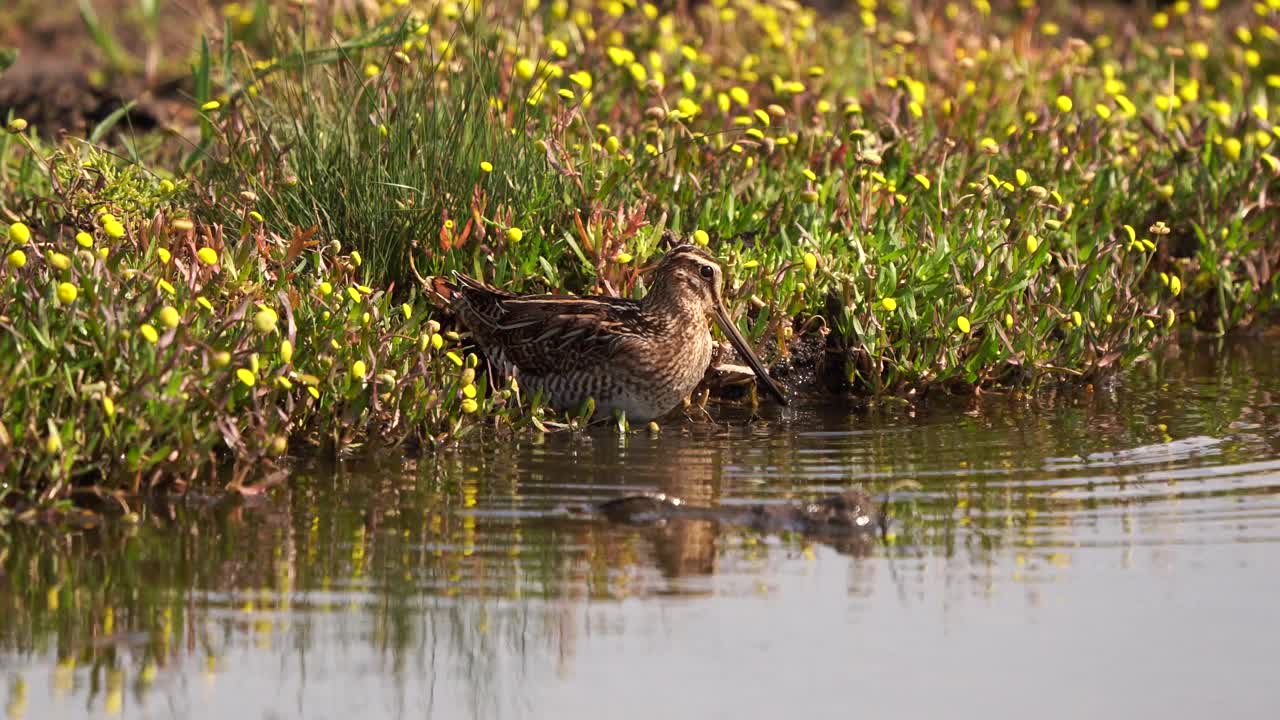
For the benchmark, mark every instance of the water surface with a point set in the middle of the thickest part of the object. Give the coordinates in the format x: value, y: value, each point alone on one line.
x: 1103, y: 552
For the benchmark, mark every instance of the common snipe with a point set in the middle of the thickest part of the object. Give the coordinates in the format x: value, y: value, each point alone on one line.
x: 642, y: 357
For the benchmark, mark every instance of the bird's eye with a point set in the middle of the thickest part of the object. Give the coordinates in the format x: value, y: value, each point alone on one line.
x: 707, y: 272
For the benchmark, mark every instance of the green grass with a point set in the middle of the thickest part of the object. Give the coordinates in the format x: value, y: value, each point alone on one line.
x: 999, y: 207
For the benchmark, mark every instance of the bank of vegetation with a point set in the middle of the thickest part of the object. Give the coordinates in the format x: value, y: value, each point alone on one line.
x: 939, y: 196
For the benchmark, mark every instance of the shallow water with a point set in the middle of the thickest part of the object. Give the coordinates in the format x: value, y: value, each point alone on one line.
x: 1109, y: 552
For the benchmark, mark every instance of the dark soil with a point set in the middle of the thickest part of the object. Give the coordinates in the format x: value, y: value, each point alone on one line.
x: 62, y: 81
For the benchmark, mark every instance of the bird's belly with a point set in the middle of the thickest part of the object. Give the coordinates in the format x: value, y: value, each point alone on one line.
x: 645, y: 387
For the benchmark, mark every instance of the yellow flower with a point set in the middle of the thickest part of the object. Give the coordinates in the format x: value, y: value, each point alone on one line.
x: 889, y: 304
x: 166, y: 286
x: 1076, y: 318
x: 169, y: 316
x: 962, y: 323
x: 1064, y: 103
x: 326, y: 288
x: 469, y: 406
x: 407, y: 310
x: 203, y: 302
x: 149, y: 332
x: 264, y: 321
x: 453, y: 356
x: 358, y: 370
x: 1175, y: 285
x: 60, y: 261
x: 246, y: 376
x: 1022, y: 177
x: 17, y: 259
x: 486, y: 166
x: 355, y: 295
x: 923, y: 180
x: 211, y: 105
x: 810, y: 262
x: 525, y: 68
x: 514, y: 234
x: 17, y: 125
x: 286, y: 351
x: 109, y: 407
x: 623, y: 257
x: 1232, y: 147
x: 67, y: 293
x: 700, y: 237
x: 221, y: 359
x: 356, y: 258
x: 53, y: 444
x: 114, y: 229
x: 1033, y: 243
x: 164, y: 255
x: 207, y: 255
x: 84, y: 239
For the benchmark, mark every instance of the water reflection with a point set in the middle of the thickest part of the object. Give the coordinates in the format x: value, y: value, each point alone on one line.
x: 456, y: 586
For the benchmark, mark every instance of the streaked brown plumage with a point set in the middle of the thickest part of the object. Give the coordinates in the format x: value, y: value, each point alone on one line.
x: 642, y: 357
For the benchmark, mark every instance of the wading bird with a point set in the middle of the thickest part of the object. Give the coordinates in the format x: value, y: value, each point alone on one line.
x: 640, y: 357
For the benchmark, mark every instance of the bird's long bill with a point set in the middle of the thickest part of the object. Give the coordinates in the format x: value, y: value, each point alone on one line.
x: 740, y: 344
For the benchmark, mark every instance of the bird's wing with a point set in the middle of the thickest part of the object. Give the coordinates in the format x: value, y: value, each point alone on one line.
x: 546, y: 334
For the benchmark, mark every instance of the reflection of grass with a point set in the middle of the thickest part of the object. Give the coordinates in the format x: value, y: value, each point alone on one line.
x: 955, y: 211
